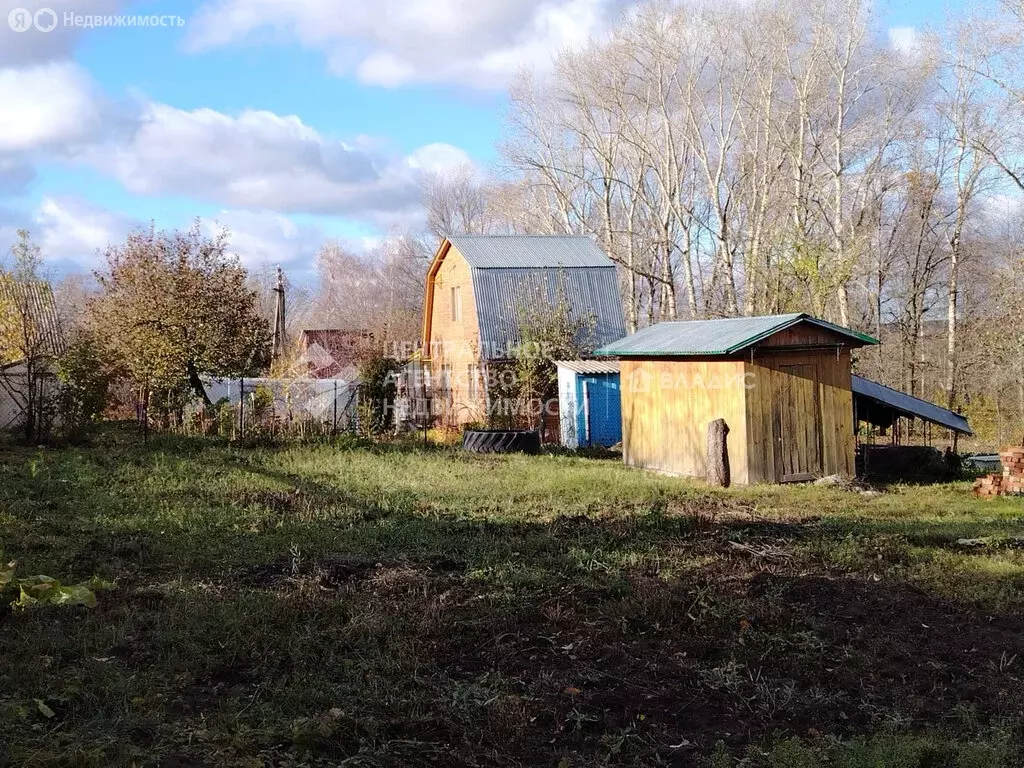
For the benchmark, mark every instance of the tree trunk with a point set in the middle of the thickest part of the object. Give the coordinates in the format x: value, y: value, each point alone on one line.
x: 197, y: 384
x: 951, y: 329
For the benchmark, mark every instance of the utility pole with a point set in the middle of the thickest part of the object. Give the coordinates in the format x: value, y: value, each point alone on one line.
x: 280, y: 340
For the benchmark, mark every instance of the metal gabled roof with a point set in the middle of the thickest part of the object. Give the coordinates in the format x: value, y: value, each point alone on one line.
x: 589, y: 293
x: 530, y: 251
x: 908, y: 405
x: 715, y: 337
x: 589, y: 367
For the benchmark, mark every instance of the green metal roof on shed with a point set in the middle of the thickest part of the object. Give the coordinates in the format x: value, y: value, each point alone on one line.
x: 715, y: 337
x: 530, y: 251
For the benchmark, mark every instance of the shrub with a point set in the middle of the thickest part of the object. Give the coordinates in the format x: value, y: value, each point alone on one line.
x: 378, y: 386
x: 84, y: 386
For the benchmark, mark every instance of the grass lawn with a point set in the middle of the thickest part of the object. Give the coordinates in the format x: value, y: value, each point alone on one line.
x: 397, y: 606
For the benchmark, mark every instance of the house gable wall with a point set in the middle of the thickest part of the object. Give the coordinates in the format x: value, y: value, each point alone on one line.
x: 805, y: 334
x: 453, y: 344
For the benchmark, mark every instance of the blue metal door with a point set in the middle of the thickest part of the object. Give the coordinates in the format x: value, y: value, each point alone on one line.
x: 599, y: 410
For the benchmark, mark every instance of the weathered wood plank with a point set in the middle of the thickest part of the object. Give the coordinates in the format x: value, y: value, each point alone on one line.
x: 669, y: 406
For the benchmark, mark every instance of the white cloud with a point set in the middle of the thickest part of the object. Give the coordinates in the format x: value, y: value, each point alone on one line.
x: 33, y: 46
x: 73, y: 230
x: 15, y: 175
x: 438, y: 158
x: 263, y: 161
x: 48, y: 105
x: 1002, y: 207
x: 480, y: 43
x: 73, y: 234
x: 266, y: 238
x: 906, y: 40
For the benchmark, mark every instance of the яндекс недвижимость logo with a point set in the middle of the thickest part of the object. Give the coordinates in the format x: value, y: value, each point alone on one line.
x: 22, y: 19
x: 46, y: 20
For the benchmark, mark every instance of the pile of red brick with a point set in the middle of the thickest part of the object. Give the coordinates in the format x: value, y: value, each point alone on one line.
x: 1010, y: 483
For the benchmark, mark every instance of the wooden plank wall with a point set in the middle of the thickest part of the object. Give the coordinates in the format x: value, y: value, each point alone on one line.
x: 455, y: 343
x: 804, y: 335
x: 767, y: 383
x: 667, y: 406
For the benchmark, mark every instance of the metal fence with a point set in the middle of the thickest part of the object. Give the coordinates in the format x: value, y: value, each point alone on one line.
x: 286, y: 405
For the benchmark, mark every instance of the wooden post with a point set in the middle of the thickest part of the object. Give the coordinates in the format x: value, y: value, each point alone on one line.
x: 241, y: 408
x: 718, y: 454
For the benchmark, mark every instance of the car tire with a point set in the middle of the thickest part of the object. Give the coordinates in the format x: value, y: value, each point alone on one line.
x: 501, y: 441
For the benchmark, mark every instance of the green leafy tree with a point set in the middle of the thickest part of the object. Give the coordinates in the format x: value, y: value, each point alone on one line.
x: 173, y: 307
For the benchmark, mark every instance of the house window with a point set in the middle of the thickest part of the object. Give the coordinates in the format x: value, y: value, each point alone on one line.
x: 473, y: 377
x: 457, y: 304
x: 446, y: 379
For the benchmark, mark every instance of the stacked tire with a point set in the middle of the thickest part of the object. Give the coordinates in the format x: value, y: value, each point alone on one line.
x: 501, y: 441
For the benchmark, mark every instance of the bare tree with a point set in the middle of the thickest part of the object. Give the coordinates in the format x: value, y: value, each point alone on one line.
x: 456, y: 202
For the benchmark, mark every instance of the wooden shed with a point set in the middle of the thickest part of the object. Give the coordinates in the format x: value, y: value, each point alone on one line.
x: 781, y: 383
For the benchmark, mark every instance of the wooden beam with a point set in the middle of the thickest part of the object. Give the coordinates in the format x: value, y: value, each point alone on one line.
x: 428, y: 299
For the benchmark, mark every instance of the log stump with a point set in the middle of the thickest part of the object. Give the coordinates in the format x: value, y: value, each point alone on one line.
x: 718, y: 454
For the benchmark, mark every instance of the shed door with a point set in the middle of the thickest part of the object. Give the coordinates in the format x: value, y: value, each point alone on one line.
x: 797, y: 417
x: 599, y: 411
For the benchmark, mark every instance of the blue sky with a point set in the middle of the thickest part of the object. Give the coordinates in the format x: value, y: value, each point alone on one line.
x: 289, y: 121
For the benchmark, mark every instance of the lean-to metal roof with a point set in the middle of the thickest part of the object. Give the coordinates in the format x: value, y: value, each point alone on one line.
x: 589, y: 367
x: 715, y: 337
x: 908, y: 405
x: 529, y: 251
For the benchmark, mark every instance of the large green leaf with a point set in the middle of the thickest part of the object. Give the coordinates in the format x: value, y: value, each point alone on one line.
x: 77, y: 595
x: 44, y: 590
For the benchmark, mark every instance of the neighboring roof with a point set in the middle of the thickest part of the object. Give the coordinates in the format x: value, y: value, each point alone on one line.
x: 716, y: 337
x: 36, y: 298
x: 332, y: 353
x: 908, y: 405
x: 589, y: 367
x: 592, y: 294
x: 529, y: 251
